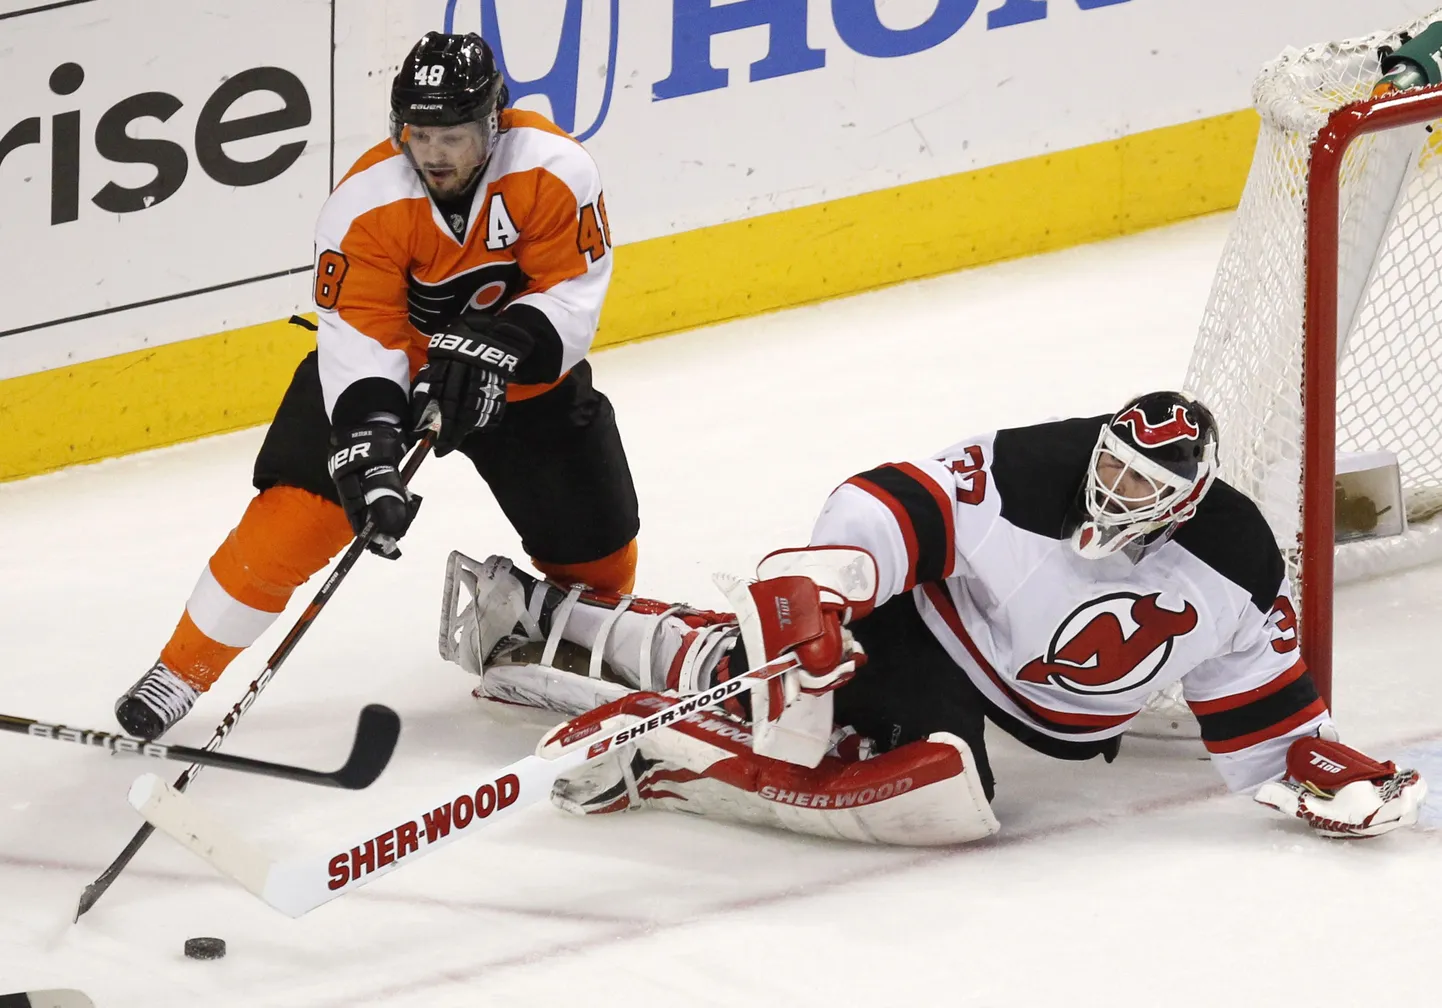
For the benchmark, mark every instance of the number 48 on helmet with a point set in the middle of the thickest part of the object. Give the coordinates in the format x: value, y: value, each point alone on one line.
x: 445, y: 105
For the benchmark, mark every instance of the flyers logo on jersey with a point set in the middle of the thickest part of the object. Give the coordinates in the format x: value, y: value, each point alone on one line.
x: 1111, y: 644
x: 1179, y: 427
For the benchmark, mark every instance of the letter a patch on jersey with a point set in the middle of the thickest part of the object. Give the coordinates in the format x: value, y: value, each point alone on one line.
x: 501, y: 231
x: 1111, y: 644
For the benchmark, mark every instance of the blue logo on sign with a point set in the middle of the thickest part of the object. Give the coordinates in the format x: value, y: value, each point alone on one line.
x: 561, y: 84
x: 694, y: 23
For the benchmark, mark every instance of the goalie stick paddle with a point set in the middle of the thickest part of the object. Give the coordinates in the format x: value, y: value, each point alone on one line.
x: 375, y: 740
x: 106, y: 879
x: 55, y: 998
x: 297, y: 885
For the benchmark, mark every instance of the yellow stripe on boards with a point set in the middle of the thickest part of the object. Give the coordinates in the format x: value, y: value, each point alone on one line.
x: 146, y: 398
x: 859, y: 242
x: 235, y: 379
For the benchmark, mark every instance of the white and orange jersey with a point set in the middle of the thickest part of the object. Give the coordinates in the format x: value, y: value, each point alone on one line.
x: 1073, y: 647
x: 389, y: 271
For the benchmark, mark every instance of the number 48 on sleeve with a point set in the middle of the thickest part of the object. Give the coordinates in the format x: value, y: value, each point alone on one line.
x: 593, y: 235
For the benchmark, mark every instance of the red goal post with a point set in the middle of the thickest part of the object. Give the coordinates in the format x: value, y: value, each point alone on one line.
x: 1320, y: 354
x: 1321, y: 339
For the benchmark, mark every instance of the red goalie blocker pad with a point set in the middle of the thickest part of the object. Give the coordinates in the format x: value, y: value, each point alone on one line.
x: 1326, y: 766
x: 793, y: 618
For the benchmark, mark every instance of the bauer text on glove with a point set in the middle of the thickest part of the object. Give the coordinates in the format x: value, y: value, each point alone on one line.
x: 365, y: 465
x: 468, y: 368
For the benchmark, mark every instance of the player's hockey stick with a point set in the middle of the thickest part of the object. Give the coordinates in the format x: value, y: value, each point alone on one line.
x: 297, y: 885
x: 46, y: 999
x: 375, y: 740
x: 55, y: 998
x: 96, y: 889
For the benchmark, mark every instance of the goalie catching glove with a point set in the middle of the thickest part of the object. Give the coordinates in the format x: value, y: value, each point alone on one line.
x: 1339, y: 792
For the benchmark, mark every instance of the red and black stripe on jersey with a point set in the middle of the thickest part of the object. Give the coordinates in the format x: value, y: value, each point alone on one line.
x: 924, y: 514
x: 1235, y: 722
x: 1039, y: 472
x: 1061, y: 722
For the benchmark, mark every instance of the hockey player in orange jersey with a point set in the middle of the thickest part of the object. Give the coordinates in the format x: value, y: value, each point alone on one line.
x: 460, y: 264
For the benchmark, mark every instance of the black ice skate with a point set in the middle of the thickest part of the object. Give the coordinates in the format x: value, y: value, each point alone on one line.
x: 149, y: 708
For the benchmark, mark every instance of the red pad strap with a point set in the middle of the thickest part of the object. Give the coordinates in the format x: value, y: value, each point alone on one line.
x: 1329, y: 766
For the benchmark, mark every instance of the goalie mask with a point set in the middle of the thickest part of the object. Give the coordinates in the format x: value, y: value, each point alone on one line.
x: 1153, y: 463
x: 445, y: 106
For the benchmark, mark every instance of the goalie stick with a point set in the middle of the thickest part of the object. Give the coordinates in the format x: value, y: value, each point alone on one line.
x: 92, y: 892
x: 297, y: 885
x: 375, y: 740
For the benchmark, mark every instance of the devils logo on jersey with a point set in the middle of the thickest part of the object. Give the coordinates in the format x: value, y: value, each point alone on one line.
x: 1179, y: 427
x: 489, y: 286
x: 1111, y: 644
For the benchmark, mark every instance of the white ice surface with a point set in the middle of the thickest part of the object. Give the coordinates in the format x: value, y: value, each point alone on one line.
x: 1139, y: 883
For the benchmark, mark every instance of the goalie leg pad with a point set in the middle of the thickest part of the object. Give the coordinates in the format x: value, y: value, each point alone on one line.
x: 536, y: 644
x: 927, y: 793
x: 547, y: 688
x: 483, y: 604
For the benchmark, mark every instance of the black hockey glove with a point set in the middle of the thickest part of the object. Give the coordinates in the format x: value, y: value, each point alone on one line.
x: 365, y: 464
x: 466, y: 373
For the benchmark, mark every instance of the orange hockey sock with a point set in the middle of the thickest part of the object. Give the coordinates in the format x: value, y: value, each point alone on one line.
x: 285, y: 536
x: 615, y: 572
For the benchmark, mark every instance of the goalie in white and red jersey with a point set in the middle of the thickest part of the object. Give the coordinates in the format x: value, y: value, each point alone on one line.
x: 1047, y: 579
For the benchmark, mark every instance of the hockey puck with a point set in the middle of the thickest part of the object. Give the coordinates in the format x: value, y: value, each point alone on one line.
x: 205, y: 948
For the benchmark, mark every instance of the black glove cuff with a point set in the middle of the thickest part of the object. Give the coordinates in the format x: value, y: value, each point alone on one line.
x: 543, y: 363
x: 365, y: 398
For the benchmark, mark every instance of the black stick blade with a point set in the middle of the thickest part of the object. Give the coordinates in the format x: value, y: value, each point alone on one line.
x: 376, y: 734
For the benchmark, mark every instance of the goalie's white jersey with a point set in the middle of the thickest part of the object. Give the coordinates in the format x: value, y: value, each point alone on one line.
x: 1073, y: 647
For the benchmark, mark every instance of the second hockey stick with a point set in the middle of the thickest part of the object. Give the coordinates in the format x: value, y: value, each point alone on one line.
x: 297, y: 885
x: 103, y: 882
x: 375, y: 740
x: 46, y: 999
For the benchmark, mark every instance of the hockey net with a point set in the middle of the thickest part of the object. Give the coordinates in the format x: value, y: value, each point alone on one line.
x: 1281, y: 311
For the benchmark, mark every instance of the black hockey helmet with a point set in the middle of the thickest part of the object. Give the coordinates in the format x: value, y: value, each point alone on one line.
x: 449, y: 80
x: 446, y: 80
x: 1154, y: 461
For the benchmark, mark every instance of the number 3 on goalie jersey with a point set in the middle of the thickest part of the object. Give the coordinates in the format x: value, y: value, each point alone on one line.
x: 970, y: 479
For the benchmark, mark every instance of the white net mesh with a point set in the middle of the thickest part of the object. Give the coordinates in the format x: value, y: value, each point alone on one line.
x: 1247, y: 361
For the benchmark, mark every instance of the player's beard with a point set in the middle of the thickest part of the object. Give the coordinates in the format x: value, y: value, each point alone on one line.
x: 448, y: 181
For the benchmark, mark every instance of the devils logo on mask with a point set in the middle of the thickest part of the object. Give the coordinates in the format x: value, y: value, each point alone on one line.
x: 1178, y: 427
x: 1111, y: 645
